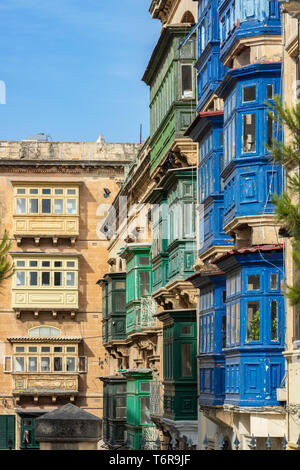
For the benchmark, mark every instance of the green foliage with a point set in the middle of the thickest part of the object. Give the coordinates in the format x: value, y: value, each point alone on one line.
x: 288, y: 204
x: 6, y: 267
x: 254, y: 327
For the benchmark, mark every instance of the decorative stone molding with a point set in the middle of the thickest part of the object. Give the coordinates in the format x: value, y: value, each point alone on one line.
x: 182, y: 430
x: 179, y: 294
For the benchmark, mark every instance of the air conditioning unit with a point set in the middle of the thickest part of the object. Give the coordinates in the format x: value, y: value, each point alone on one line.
x: 281, y: 394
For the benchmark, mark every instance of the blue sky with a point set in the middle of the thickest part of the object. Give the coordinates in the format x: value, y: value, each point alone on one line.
x: 73, y: 68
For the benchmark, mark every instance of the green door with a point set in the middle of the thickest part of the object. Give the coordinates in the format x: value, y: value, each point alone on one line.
x: 7, y: 431
x: 28, y: 433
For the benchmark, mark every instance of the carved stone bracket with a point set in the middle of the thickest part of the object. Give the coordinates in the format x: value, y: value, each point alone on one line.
x: 180, y: 294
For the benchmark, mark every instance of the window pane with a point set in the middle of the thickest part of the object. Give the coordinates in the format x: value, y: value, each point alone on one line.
x: 253, y: 321
x: 57, y: 349
x: 145, y: 410
x: 46, y: 191
x: 249, y: 133
x: 253, y: 282
x: 57, y: 264
x: 20, y: 349
x: 59, y: 191
x: 71, y: 206
x: 70, y: 349
x: 270, y: 92
x: 269, y: 130
x: 20, y: 278
x: 33, y: 278
x: 274, y: 281
x: 20, y: 364
x: 21, y: 191
x: 45, y: 279
x: 32, y: 349
x: 33, y: 191
x: 58, y: 279
x: 70, y: 278
x: 70, y: 264
x: 32, y: 364
x: 71, y: 364
x: 144, y: 260
x: 33, y: 206
x: 45, y: 364
x: 45, y: 349
x: 186, y: 360
x: 33, y: 264
x: 46, y: 264
x: 274, y: 321
x: 249, y: 93
x: 187, y: 81
x: 145, y: 387
x: 144, y: 283
x: 21, y: 205
x: 71, y: 191
x: 57, y: 364
x: 46, y: 206
x: 58, y: 206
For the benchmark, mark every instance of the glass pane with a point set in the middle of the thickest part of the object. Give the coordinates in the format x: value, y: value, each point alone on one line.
x: 46, y: 264
x: 70, y: 349
x: 33, y: 206
x: 71, y: 364
x: 58, y: 206
x: 249, y: 133
x: 144, y: 260
x: 33, y: 191
x: 186, y: 360
x: 33, y: 278
x: 32, y: 364
x: 46, y: 191
x: 71, y: 191
x: 253, y: 321
x: 269, y: 130
x: 45, y: 349
x: 71, y: 206
x: 32, y: 349
x: 187, y: 81
x: 33, y: 264
x: 253, y: 282
x: 145, y: 386
x: 20, y: 349
x: 20, y: 278
x: 21, y: 264
x: 46, y: 206
x: 274, y: 281
x: 270, y: 92
x: 57, y: 349
x: 249, y: 93
x: 58, y: 279
x: 145, y: 410
x: 45, y: 279
x: 21, y: 191
x: 274, y: 321
x: 20, y: 364
x: 144, y: 283
x: 59, y: 191
x: 45, y: 364
x: 57, y: 264
x: 70, y: 278
x: 70, y: 264
x: 21, y: 205
x: 57, y: 364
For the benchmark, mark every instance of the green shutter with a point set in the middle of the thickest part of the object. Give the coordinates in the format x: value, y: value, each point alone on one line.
x: 7, y: 430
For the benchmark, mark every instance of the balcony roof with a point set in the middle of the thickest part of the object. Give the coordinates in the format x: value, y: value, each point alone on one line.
x: 45, y: 339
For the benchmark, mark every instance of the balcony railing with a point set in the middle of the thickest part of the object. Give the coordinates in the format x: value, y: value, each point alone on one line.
x: 144, y: 316
x: 156, y: 398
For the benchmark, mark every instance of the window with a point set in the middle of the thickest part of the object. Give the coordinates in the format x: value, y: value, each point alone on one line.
x: 33, y: 278
x: 57, y: 364
x: 186, y: 357
x: 71, y: 364
x: 270, y: 92
x: 253, y: 282
x: 20, y: 364
x: 44, y: 331
x: 187, y: 81
x: 45, y: 364
x: 144, y: 260
x: 145, y: 410
x: 121, y: 407
x: 46, y: 201
x: 274, y: 320
x: 144, y: 283
x: 274, y: 281
x: 249, y: 94
x: 32, y: 364
x: 269, y: 130
x: 249, y: 133
x: 253, y: 321
x: 20, y: 278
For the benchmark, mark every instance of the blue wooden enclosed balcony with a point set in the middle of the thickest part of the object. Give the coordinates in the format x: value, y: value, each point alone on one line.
x: 210, y: 69
x: 241, y: 19
x: 254, y: 364
x: 250, y: 177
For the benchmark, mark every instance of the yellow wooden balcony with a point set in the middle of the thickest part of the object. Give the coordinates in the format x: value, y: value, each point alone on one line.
x: 46, y: 210
x: 45, y: 282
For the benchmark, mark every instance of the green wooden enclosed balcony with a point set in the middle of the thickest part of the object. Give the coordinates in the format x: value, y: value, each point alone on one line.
x: 113, y: 307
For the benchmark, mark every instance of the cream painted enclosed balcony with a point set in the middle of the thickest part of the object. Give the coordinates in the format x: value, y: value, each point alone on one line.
x: 46, y: 210
x: 45, y: 365
x: 45, y: 282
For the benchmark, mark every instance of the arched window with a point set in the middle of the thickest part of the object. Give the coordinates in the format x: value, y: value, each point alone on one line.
x: 188, y: 17
x: 44, y: 331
